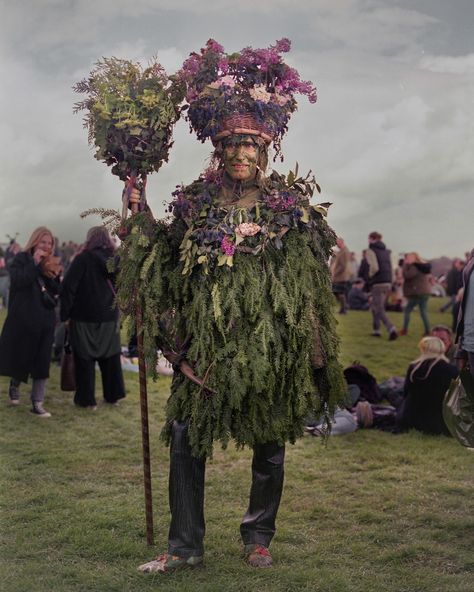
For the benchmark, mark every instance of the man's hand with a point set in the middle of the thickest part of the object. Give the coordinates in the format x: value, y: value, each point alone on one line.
x: 134, y: 200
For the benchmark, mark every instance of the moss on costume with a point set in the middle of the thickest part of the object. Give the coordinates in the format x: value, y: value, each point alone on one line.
x: 261, y: 331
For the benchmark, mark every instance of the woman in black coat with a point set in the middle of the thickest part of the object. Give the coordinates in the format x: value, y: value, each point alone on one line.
x: 27, y: 336
x: 88, y: 307
x: 427, y: 380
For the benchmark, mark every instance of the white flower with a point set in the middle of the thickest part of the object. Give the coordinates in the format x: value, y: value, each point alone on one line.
x: 281, y: 99
x: 260, y: 93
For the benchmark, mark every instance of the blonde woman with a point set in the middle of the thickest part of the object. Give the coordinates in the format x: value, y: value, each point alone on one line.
x: 27, y: 336
x: 426, y: 382
x: 416, y: 289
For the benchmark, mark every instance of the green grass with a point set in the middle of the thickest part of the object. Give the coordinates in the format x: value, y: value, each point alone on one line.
x: 369, y: 512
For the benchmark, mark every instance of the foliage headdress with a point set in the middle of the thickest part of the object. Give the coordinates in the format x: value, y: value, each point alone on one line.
x: 249, y: 92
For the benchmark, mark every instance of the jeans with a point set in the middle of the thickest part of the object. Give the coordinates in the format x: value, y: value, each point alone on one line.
x: 379, y: 294
x: 186, y: 495
x: 37, y: 389
x: 4, y: 290
x: 422, y: 303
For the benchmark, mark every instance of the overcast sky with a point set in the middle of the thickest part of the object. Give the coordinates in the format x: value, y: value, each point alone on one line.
x: 390, y: 139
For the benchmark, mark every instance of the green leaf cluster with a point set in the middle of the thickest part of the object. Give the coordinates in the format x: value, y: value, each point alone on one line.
x: 130, y: 114
x: 262, y: 332
x: 207, y: 222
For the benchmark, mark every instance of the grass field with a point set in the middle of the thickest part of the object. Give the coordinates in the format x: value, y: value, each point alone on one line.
x: 369, y: 512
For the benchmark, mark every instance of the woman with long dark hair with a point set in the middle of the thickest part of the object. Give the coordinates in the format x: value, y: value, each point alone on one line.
x: 88, y: 307
x: 27, y: 336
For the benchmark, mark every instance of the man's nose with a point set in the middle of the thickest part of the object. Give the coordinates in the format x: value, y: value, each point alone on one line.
x: 239, y: 151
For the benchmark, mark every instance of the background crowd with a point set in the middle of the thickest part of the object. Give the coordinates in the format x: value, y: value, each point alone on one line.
x: 374, y: 284
x: 65, y: 293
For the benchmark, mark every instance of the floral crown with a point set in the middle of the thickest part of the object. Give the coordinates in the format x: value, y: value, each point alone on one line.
x: 249, y: 92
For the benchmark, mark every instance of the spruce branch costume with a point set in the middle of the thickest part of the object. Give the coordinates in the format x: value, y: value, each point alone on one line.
x: 235, y: 286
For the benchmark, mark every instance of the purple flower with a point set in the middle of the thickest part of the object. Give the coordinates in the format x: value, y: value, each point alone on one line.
x: 223, y: 65
x: 212, y: 45
x: 214, y: 176
x: 283, y: 45
x: 227, y: 246
x: 280, y: 200
x: 255, y: 82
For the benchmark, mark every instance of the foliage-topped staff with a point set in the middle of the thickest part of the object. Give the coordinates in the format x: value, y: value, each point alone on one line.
x: 130, y: 119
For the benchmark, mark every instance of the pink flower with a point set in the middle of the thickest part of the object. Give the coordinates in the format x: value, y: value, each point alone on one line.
x: 223, y: 81
x: 248, y: 229
x: 227, y: 246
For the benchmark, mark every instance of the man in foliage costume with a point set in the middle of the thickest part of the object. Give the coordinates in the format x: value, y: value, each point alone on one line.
x: 239, y: 281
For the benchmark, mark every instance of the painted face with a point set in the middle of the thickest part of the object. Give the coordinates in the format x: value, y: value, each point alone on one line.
x: 45, y: 243
x: 240, y: 157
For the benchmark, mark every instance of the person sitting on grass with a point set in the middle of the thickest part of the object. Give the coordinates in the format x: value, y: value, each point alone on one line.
x: 357, y: 298
x: 426, y: 382
x: 444, y: 333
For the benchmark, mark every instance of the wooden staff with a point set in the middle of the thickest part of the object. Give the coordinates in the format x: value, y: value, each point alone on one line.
x: 142, y: 378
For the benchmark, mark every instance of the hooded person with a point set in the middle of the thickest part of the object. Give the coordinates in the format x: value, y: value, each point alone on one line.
x: 88, y: 308
x: 240, y: 280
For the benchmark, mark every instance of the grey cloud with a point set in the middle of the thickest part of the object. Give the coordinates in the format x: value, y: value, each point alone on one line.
x: 390, y: 139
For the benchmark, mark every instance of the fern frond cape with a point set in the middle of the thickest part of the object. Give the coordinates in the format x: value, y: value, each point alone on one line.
x: 244, y: 294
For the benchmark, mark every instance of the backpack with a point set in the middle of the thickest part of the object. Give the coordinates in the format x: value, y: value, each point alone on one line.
x: 359, y: 375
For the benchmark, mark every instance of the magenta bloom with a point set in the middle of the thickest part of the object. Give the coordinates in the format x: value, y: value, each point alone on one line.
x: 227, y: 246
x: 214, y: 46
x: 283, y: 45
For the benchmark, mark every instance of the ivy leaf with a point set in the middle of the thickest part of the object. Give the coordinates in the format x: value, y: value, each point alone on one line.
x: 221, y: 259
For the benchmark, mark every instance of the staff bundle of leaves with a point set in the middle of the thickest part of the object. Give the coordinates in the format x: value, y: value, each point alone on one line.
x: 130, y: 115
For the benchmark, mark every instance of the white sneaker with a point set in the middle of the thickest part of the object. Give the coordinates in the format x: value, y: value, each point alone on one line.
x: 14, y: 402
x: 39, y: 410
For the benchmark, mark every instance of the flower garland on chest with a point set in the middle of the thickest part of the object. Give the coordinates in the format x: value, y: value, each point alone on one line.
x: 221, y: 220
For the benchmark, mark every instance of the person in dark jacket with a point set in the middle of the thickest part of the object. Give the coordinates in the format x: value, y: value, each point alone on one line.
x: 416, y: 289
x: 380, y: 283
x: 363, y: 271
x: 357, y: 298
x: 89, y: 310
x: 465, y: 321
x: 27, y: 336
x: 427, y: 380
x: 453, y: 284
